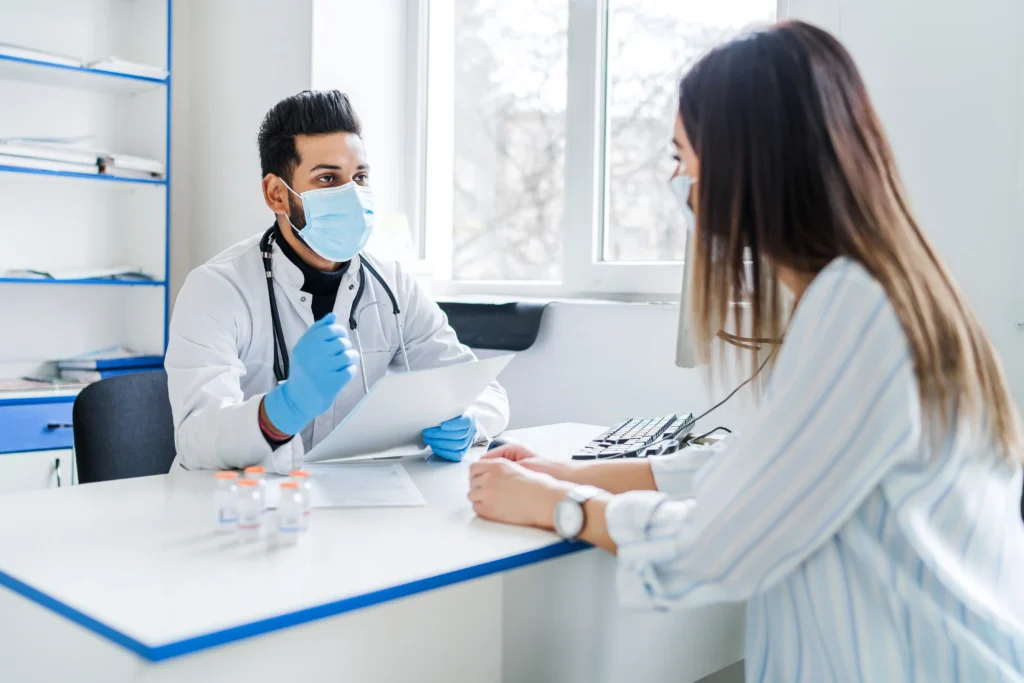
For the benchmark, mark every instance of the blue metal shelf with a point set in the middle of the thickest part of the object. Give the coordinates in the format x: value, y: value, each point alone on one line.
x: 88, y: 176
x: 50, y: 73
x: 90, y: 281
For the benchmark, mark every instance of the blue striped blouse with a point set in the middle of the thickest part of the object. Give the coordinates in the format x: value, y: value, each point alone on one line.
x: 867, y: 550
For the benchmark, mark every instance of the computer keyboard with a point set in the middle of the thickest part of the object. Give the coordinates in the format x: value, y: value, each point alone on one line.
x: 633, y: 438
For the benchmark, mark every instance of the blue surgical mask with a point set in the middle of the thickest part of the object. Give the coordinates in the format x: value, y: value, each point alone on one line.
x: 339, y: 220
x: 681, y: 185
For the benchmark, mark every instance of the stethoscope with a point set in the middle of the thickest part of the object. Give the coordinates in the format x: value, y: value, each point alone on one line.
x: 281, y: 349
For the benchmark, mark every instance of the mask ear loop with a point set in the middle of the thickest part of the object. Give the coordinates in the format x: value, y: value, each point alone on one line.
x: 288, y: 217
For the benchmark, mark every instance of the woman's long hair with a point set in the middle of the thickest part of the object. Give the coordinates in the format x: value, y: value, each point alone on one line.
x: 795, y: 171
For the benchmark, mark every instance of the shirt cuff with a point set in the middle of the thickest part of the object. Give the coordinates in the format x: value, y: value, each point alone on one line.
x: 281, y: 459
x: 629, y: 518
x: 674, y: 474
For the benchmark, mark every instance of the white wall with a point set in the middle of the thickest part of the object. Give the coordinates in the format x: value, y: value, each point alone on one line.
x: 599, y: 363
x: 237, y: 58
x: 362, y: 49
x: 945, y: 77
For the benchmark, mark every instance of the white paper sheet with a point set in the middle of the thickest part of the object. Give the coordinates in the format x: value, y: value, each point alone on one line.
x: 400, y: 406
x: 356, y: 485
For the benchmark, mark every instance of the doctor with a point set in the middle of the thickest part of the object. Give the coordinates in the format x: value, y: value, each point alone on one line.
x: 868, y: 513
x: 274, y: 341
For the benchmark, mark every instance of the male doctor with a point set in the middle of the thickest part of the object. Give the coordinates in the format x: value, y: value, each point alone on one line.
x: 260, y: 369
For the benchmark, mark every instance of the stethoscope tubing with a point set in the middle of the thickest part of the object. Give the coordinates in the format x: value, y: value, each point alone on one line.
x: 281, y: 361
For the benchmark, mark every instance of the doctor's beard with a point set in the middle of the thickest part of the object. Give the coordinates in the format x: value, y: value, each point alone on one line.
x: 296, y: 215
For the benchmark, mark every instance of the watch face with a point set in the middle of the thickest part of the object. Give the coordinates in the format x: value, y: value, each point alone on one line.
x: 569, y: 519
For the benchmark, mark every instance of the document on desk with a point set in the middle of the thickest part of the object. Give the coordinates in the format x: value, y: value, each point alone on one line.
x: 390, y: 419
x: 363, y: 485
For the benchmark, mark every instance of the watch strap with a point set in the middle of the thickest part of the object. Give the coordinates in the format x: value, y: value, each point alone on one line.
x: 581, y: 494
x: 578, y: 495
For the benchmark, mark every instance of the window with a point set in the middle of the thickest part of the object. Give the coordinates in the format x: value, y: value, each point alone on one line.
x: 547, y: 139
x: 509, y: 168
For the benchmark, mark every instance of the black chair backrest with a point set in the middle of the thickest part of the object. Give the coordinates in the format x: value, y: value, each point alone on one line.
x: 123, y: 428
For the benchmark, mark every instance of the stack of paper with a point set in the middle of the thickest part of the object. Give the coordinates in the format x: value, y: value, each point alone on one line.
x: 56, y: 154
x: 20, y: 384
x: 111, y: 273
x: 129, y: 166
x: 48, y: 155
x: 92, y: 367
x: 46, y: 165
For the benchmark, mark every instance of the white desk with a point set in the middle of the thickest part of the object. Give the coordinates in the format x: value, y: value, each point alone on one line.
x: 127, y: 581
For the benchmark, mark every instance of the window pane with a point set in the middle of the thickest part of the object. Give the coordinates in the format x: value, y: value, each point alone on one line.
x: 650, y: 44
x: 510, y: 85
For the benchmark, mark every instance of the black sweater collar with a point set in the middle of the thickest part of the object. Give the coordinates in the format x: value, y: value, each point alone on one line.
x: 314, y: 281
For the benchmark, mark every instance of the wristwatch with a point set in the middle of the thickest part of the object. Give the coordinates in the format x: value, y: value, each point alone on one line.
x: 570, y: 516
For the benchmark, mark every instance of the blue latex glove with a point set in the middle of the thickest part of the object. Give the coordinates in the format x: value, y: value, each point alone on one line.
x: 322, y: 363
x: 452, y: 438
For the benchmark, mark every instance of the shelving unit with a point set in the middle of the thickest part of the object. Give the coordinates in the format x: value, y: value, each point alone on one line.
x: 58, y: 219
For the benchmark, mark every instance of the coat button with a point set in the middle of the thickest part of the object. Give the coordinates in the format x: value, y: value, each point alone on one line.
x: 352, y: 286
x: 302, y: 298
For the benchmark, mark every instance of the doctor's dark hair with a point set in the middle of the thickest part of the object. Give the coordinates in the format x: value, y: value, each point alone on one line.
x: 310, y: 112
x: 795, y: 170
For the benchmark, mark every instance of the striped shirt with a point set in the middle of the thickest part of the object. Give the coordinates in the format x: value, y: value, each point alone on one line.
x: 867, y: 550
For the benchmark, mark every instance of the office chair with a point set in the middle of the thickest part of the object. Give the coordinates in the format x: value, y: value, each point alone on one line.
x: 123, y: 428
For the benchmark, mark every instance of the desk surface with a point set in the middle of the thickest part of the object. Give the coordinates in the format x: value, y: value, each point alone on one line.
x: 138, y: 562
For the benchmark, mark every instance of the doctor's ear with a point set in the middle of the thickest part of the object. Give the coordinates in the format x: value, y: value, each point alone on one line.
x: 275, y: 194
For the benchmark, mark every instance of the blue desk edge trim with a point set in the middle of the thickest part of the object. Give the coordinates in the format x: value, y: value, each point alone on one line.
x: 160, y: 653
x: 36, y: 400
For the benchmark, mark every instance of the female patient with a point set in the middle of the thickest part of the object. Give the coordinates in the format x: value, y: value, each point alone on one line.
x: 869, y: 511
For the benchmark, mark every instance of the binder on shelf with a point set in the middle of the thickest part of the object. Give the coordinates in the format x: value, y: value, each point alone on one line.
x: 115, y: 358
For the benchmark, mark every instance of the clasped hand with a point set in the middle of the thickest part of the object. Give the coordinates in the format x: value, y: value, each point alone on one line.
x: 511, y: 484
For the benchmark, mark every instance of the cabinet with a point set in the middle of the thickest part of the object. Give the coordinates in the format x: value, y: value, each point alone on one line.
x: 36, y: 470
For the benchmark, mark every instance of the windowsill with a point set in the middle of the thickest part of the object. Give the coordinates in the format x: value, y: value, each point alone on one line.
x: 489, y: 298
x: 527, y: 291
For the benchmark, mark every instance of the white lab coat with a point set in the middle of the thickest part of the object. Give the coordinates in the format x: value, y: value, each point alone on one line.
x: 220, y: 354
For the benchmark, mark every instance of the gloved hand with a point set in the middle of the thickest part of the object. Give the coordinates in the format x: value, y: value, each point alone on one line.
x: 452, y: 438
x: 322, y: 363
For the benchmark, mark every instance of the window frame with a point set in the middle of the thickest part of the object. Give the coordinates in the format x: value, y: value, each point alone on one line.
x: 584, y: 271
